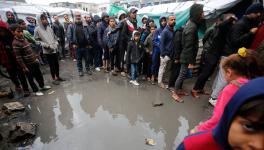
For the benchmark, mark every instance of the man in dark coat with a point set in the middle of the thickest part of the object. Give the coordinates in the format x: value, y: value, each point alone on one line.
x: 241, y: 35
x: 59, y: 32
x: 190, y: 47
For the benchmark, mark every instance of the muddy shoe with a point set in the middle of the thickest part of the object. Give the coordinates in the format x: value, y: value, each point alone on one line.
x: 123, y: 74
x: 61, y: 79
x: 55, y: 82
x: 81, y: 74
x: 3, y: 94
x: 113, y: 73
x: 45, y: 88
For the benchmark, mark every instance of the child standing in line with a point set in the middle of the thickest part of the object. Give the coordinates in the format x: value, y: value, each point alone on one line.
x: 27, y: 60
x: 135, y: 53
x: 238, y: 69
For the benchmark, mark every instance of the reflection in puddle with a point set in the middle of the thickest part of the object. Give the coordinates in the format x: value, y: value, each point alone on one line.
x: 183, y: 131
x: 101, y: 131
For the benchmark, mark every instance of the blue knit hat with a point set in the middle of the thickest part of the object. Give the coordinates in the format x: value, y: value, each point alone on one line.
x: 254, y: 8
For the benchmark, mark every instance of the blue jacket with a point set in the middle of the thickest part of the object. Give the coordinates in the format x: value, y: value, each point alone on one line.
x: 166, y: 42
x: 110, y: 41
x: 157, y: 35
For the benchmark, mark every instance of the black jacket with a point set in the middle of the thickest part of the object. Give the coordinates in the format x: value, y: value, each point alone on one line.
x: 59, y: 31
x: 177, y: 45
x: 135, y: 52
x: 190, y: 36
x: 240, y: 36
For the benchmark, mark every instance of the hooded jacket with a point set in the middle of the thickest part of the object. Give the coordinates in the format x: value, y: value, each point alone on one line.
x: 46, y: 38
x: 217, y: 139
x: 240, y: 36
x: 190, y: 36
x: 100, y: 31
x: 110, y: 41
x: 166, y: 42
x: 7, y: 55
x: 135, y: 50
x: 157, y: 35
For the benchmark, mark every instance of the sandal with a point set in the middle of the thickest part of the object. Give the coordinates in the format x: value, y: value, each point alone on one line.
x: 182, y: 93
x: 204, y: 92
x: 177, y: 98
x: 195, y: 94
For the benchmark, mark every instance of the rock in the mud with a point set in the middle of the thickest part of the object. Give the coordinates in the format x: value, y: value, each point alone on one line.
x: 21, y: 131
x: 12, y: 107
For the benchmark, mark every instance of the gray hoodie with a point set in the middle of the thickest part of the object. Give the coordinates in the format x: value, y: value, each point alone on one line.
x: 46, y: 37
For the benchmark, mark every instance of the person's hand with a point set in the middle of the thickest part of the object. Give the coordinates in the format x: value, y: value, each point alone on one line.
x: 194, y: 130
x: 74, y: 46
x: 177, y: 61
x: 25, y: 70
x: 108, y: 33
x: 253, y: 30
x: 190, y: 66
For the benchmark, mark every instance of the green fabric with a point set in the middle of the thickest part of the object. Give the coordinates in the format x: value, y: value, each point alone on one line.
x: 114, y: 9
x: 29, y: 37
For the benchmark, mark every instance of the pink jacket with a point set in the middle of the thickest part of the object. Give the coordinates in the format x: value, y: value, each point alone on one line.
x: 222, y: 100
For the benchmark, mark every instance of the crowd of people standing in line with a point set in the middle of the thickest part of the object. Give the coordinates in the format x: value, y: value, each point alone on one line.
x: 163, y: 55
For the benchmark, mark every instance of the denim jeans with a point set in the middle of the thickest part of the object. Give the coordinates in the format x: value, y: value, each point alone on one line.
x: 182, y: 76
x: 82, y: 53
x: 155, y: 61
x: 219, y: 82
x: 134, y: 71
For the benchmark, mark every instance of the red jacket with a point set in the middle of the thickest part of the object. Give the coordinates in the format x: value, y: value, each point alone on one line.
x: 7, y: 55
x: 259, y: 37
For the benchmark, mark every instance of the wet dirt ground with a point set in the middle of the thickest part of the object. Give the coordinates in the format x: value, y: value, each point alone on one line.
x: 104, y: 112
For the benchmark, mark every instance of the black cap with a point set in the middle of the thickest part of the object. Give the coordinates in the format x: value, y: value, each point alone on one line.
x: 133, y: 10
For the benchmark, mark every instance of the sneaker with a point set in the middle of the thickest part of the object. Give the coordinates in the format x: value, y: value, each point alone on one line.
x: 131, y: 81
x: 212, y: 101
x: 123, y: 74
x: 45, y: 88
x: 55, y: 82
x: 89, y: 72
x: 135, y: 83
x: 74, y: 60
x: 80, y: 73
x: 39, y: 94
x: 97, y: 69
x: 113, y: 73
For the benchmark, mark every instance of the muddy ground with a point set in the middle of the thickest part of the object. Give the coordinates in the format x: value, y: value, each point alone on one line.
x: 102, y: 112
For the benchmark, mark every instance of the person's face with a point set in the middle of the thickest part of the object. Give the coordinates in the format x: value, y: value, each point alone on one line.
x: 152, y: 30
x: 10, y: 16
x: 243, y: 136
x: 88, y: 18
x: 106, y: 19
x: 78, y: 17
x: 112, y: 23
x: 133, y: 15
x: 255, y: 16
x: 137, y: 36
x: 144, y: 21
x: 23, y: 25
x: 18, y: 33
x: 44, y: 21
x: 151, y: 24
x: 122, y: 17
x: 172, y: 21
x: 66, y: 17
x: 56, y: 18
x: 163, y: 22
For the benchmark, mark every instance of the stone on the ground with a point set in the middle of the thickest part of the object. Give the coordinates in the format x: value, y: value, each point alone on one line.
x: 12, y: 107
x: 21, y: 131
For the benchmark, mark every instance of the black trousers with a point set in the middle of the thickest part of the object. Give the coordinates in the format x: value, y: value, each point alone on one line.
x: 18, y: 78
x: 175, y: 70
x: 53, y: 61
x: 35, y: 73
x: 207, y: 69
x: 121, y: 56
x: 114, y: 60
